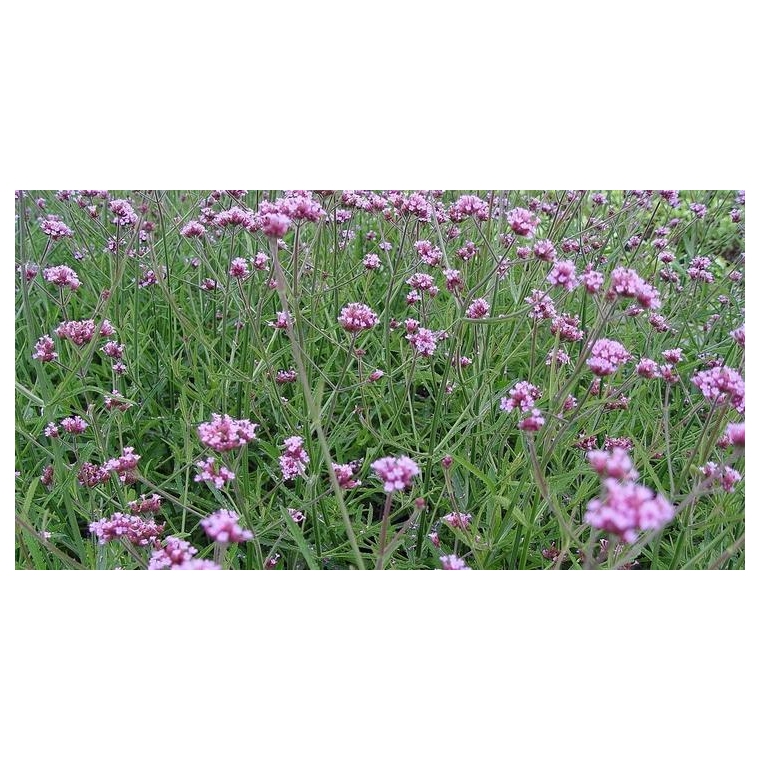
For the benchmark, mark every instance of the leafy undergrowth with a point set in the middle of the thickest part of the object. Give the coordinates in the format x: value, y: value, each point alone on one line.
x: 507, y: 380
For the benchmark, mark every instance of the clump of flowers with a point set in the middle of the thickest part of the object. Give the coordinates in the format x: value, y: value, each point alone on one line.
x: 533, y: 422
x: 55, y: 229
x: 522, y: 397
x: 478, y: 309
x: 91, y: 475
x: 523, y: 222
x: 542, y: 306
x: 423, y: 341
x: 124, y: 214
x: 295, y: 458
x: 395, y: 472
x: 223, y: 527
x: 452, y: 562
x: 74, y: 425
x: 172, y: 552
x: 563, y: 275
x: 223, y: 433
x: 78, y: 333
x: 457, y: 520
x: 626, y: 508
x: 468, y: 205
x: 133, y: 528
x: 612, y: 464
x: 607, y: 356
x: 62, y: 276
x: 728, y: 477
x: 150, y: 503
x: 216, y: 475
x: 197, y: 564
x: 721, y: 385
x: 44, y: 349
x: 345, y: 475
x: 124, y: 466
x: 357, y: 317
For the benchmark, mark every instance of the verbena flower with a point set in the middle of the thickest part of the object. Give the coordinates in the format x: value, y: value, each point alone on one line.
x: 124, y: 466
x: 607, y: 356
x: 216, y: 475
x: 223, y: 527
x: 522, y: 397
x: 478, y: 309
x: 43, y: 349
x: 345, y: 475
x: 452, y: 562
x: 133, y: 528
x: 395, y: 472
x: 523, y: 222
x: 563, y: 275
x: 74, y: 425
x: 357, y: 317
x: 721, y: 385
x: 457, y: 520
x: 423, y: 341
x: 124, y: 214
x: 626, y: 509
x: 295, y: 458
x: 62, y: 276
x: 223, y: 433
x: 150, y: 503
x: 172, y: 551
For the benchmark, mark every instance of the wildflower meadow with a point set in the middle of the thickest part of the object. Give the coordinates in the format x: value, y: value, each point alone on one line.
x: 408, y: 380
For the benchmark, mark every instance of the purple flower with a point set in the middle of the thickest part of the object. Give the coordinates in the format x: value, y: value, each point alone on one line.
x: 395, y: 472
x: 222, y: 526
x: 357, y: 317
x: 224, y: 433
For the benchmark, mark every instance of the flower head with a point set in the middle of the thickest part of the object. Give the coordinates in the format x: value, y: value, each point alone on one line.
x: 357, y: 317
x: 222, y: 526
x: 224, y: 433
x: 395, y: 472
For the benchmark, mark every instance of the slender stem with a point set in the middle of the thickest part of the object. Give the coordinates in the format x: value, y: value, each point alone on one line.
x: 296, y: 350
x: 384, y: 531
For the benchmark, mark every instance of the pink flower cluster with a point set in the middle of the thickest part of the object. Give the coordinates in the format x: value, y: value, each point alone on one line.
x: 429, y: 253
x: 193, y: 229
x: 150, y: 503
x: 55, y: 229
x: 612, y: 464
x: 468, y: 205
x: 423, y: 341
x: 523, y: 222
x: 125, y: 465
x: 62, y: 276
x: 607, y: 356
x: 727, y: 476
x: 563, y: 275
x: 43, y: 349
x: 293, y: 462
x: 478, y: 309
x: 522, y: 397
x: 345, y: 474
x: 172, y: 552
x: 721, y: 385
x: 395, y: 472
x: 542, y: 306
x: 124, y: 214
x: 211, y: 473
x: 452, y: 562
x: 74, y: 425
x: 357, y: 317
x: 134, y: 528
x: 627, y: 508
x: 223, y: 433
x: 81, y: 332
x: 458, y: 520
x: 223, y: 527
x: 91, y: 475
